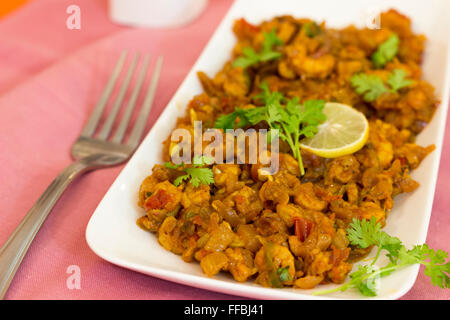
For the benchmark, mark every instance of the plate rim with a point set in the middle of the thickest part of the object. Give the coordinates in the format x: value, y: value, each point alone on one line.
x: 225, y: 287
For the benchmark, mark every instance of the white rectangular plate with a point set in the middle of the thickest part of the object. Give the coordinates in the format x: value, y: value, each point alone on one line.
x: 112, y: 232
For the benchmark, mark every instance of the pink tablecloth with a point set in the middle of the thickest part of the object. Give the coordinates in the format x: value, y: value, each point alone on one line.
x: 50, y: 80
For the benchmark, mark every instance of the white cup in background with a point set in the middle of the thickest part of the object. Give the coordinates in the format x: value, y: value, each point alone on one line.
x: 155, y: 13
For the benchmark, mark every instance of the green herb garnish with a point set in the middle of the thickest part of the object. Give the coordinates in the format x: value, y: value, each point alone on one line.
x: 368, y: 85
x: 294, y: 121
x: 195, y: 174
x: 283, y: 274
x: 371, y: 86
x: 311, y: 29
x: 251, y: 57
x: 386, y: 51
x: 397, y: 80
x: 365, y: 233
x: 289, y: 118
x: 228, y: 121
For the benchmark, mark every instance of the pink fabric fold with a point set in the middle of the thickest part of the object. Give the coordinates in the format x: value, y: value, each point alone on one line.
x: 51, y: 78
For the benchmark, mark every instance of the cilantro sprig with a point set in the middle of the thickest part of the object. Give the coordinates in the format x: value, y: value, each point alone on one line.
x: 195, y: 174
x: 386, y: 51
x: 251, y: 57
x: 287, y: 119
x: 294, y: 121
x: 311, y: 29
x: 245, y: 117
x: 368, y: 85
x: 371, y: 86
x: 283, y: 274
x: 397, y: 80
x: 365, y: 233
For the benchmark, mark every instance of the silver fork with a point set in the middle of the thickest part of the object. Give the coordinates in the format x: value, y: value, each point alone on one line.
x: 90, y: 151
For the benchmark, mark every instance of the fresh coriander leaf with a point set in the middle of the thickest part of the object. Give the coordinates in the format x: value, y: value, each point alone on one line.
x: 292, y: 120
x: 228, y: 121
x: 251, y: 57
x: 273, y: 134
x: 390, y: 244
x: 397, y: 80
x: 371, y: 86
x: 365, y: 280
x: 386, y: 51
x: 250, y: 53
x: 245, y: 116
x: 295, y: 121
x: 172, y: 166
x: 274, y: 279
x: 283, y: 274
x: 438, y: 256
x: 195, y: 175
x: 271, y: 55
x: 201, y: 161
x: 368, y: 287
x: 264, y: 94
x: 179, y: 180
x: 312, y: 29
x: 200, y: 176
x: 242, y: 117
x: 251, y: 115
x: 287, y: 119
x: 363, y: 233
x: 435, y: 267
x: 439, y: 275
x: 243, y: 62
x: 368, y: 85
x: 270, y: 40
x: 311, y: 116
x: 268, y: 97
x: 255, y: 115
x: 293, y: 105
x: 275, y: 113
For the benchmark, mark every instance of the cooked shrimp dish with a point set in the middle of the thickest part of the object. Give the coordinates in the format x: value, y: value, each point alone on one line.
x: 288, y: 228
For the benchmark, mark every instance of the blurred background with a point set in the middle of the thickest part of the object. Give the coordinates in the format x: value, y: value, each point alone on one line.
x: 8, y: 6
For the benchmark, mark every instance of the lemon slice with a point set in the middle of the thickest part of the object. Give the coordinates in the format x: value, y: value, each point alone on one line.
x: 344, y: 131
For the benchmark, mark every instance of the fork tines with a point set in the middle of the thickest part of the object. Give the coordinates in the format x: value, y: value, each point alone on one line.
x: 139, y: 126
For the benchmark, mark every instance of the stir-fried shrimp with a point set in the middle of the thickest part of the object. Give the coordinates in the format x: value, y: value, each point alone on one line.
x: 287, y: 229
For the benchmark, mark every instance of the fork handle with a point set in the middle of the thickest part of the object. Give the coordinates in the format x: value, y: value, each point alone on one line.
x: 15, y: 248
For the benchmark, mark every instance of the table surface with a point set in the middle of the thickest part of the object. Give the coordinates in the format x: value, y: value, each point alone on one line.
x: 35, y: 52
